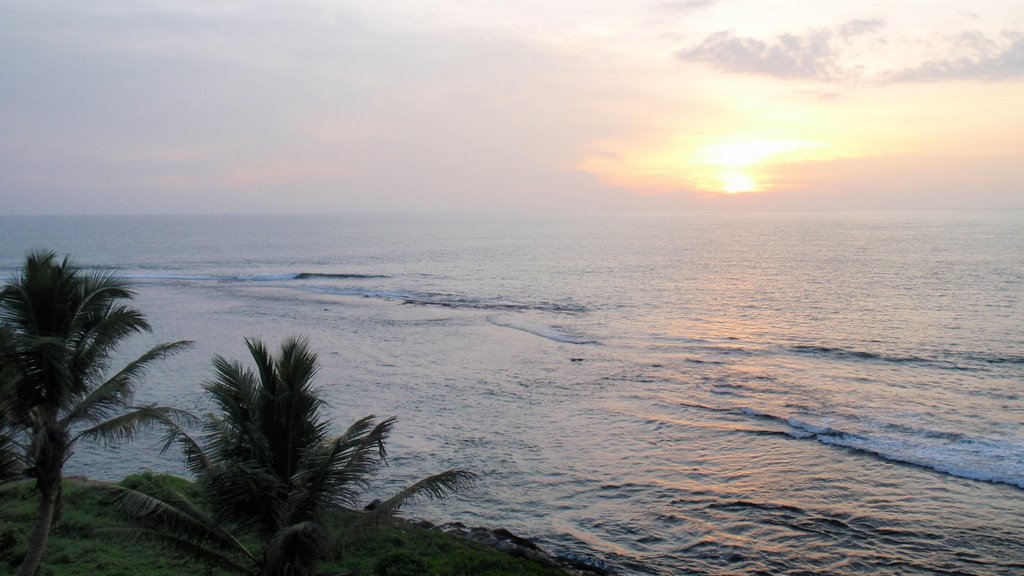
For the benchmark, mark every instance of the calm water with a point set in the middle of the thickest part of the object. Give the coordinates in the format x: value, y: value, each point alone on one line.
x: 757, y: 394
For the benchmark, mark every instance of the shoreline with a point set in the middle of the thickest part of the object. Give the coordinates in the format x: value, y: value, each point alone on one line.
x: 84, y: 507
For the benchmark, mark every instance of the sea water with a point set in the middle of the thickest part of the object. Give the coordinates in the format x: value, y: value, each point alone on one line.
x: 707, y: 394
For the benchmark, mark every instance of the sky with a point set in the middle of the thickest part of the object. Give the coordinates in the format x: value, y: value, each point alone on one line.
x: 184, y: 106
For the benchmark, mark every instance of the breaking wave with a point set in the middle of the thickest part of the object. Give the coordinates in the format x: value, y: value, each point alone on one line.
x: 954, y: 453
x: 549, y: 332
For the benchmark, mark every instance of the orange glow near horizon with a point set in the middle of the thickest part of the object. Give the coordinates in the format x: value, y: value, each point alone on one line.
x: 732, y: 165
x: 740, y: 159
x: 736, y: 183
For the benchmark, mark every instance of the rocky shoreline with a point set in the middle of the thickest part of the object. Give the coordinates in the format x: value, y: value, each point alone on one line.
x: 506, y: 542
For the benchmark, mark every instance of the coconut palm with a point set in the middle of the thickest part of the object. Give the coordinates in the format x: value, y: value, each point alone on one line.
x: 269, y: 468
x: 10, y: 449
x: 61, y: 326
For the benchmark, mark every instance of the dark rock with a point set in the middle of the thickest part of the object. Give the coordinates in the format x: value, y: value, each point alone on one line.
x: 373, y: 505
x: 519, y: 541
x: 506, y: 542
x: 483, y: 536
x: 584, y: 562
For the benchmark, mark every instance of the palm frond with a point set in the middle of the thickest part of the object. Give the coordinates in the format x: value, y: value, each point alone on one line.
x: 244, y: 494
x: 178, y: 517
x: 125, y: 427
x: 233, y: 390
x: 11, y: 455
x: 174, y: 424
x: 289, y: 405
x: 436, y: 487
x: 94, y: 337
x: 297, y: 364
x: 294, y: 550
x: 42, y: 374
x: 182, y: 547
x: 333, y: 474
x: 119, y: 388
x: 264, y: 364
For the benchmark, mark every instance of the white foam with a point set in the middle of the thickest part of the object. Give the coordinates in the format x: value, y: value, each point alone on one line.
x: 808, y: 427
x: 985, y: 460
x: 264, y: 277
x: 982, y: 459
x: 549, y: 332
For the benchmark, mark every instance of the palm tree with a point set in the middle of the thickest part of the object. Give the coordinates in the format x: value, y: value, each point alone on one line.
x: 269, y: 469
x: 10, y: 449
x: 61, y: 327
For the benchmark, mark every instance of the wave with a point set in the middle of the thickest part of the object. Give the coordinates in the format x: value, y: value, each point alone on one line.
x: 948, y: 360
x: 944, y: 359
x: 278, y: 277
x: 337, y: 276
x: 846, y: 354
x: 549, y: 332
x: 450, y: 301
x: 953, y: 453
x: 411, y: 297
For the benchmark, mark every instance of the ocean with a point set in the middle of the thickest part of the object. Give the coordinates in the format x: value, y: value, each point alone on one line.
x: 818, y: 393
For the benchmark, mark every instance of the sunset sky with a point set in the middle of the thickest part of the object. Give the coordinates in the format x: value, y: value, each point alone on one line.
x: 177, y: 106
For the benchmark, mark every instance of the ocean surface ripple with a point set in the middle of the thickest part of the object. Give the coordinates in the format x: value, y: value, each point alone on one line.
x: 677, y: 394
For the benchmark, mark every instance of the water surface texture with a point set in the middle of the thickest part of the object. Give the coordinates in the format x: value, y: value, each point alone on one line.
x: 706, y: 394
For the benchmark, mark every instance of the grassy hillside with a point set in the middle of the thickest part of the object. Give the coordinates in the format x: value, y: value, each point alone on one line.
x: 86, y: 542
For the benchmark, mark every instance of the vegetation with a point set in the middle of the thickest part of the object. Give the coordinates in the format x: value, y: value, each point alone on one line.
x: 81, y: 541
x: 60, y: 328
x: 275, y: 493
x: 269, y: 473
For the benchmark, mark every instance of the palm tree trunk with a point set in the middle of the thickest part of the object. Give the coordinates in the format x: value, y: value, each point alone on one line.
x: 41, y: 532
x: 50, y: 449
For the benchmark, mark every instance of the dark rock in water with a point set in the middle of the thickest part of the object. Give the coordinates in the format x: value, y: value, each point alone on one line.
x: 373, y: 505
x: 584, y: 562
x: 517, y: 540
x: 425, y: 524
x: 456, y: 528
x: 506, y: 542
x: 576, y: 359
x: 483, y: 536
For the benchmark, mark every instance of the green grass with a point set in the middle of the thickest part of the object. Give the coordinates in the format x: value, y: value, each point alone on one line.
x: 78, y: 545
x: 83, y: 544
x: 405, y: 550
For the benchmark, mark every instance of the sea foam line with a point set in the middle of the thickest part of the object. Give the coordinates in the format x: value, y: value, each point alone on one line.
x: 278, y: 277
x: 549, y: 332
x: 996, y: 461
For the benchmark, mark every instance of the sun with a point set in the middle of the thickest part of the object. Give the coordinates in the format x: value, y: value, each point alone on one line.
x: 736, y: 164
x: 705, y: 164
x: 736, y: 183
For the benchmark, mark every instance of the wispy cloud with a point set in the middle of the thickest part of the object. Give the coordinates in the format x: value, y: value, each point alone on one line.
x: 982, y: 58
x: 815, y: 55
x: 687, y: 4
x: 826, y: 55
x: 859, y: 27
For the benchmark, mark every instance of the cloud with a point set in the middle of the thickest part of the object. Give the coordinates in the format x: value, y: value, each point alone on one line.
x: 828, y: 55
x: 982, y: 59
x: 808, y: 56
x: 860, y: 27
x: 687, y: 4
